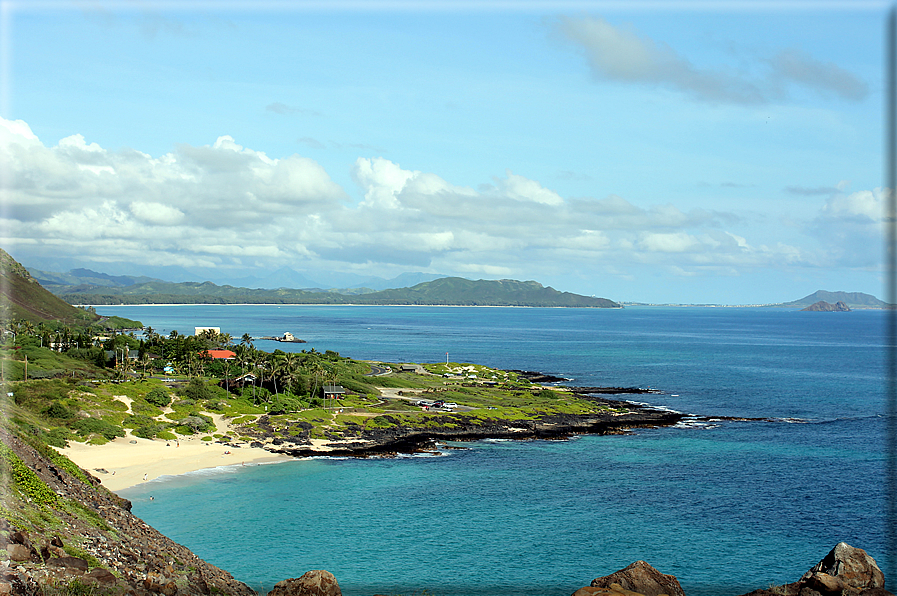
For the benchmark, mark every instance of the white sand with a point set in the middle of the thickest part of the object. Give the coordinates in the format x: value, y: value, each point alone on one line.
x: 128, y: 464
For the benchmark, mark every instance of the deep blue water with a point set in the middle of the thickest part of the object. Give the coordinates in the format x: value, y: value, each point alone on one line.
x: 727, y: 508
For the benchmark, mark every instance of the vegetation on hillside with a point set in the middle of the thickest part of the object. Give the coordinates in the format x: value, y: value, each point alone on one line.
x: 22, y: 297
x: 453, y: 291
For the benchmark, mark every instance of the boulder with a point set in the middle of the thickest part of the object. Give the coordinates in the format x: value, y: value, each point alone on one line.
x: 851, y: 566
x: 69, y: 563
x: 101, y: 575
x: 640, y: 578
x: 18, y: 552
x: 312, y: 583
x: 612, y: 590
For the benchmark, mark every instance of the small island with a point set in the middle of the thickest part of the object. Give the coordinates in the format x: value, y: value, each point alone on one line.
x: 823, y: 306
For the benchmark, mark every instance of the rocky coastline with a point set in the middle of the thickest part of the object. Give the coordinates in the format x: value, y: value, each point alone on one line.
x: 358, y: 441
x: 84, y: 540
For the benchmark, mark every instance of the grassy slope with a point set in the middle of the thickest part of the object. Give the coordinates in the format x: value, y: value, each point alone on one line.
x: 22, y: 297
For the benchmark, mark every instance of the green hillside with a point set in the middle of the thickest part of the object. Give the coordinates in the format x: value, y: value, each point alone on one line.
x: 453, y: 291
x: 22, y: 297
x: 457, y: 291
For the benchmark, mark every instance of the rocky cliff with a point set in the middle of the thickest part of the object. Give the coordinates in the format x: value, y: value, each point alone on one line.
x: 63, y: 533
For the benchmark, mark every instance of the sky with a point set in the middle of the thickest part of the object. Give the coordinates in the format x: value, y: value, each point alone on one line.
x: 726, y: 153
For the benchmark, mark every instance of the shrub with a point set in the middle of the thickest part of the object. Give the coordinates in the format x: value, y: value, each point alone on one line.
x: 196, y: 389
x: 196, y: 423
x: 57, y: 437
x: 58, y: 411
x: 152, y: 430
x: 90, y: 426
x: 158, y: 397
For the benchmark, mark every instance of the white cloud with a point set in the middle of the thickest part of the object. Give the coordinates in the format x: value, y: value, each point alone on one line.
x: 17, y: 128
x: 677, y: 242
x: 381, y: 180
x: 864, y: 204
x: 225, y: 205
x: 157, y: 213
x: 522, y: 189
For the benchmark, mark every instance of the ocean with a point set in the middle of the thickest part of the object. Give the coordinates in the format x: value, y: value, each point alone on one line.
x: 725, y: 506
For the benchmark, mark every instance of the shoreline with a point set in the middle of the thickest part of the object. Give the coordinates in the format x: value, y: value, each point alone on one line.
x: 127, y: 462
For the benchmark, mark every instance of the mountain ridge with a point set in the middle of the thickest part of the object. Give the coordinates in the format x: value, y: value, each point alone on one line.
x: 446, y: 291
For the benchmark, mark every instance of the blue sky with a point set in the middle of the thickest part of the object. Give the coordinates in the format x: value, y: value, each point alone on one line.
x: 705, y: 153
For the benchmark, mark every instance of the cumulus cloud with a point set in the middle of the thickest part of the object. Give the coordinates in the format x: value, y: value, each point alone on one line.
x: 851, y: 227
x: 865, y: 206
x: 216, y: 195
x: 227, y: 205
x: 624, y: 55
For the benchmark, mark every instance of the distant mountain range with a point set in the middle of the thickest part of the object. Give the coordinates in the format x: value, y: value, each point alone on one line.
x: 287, y: 286
x: 453, y: 291
x: 285, y: 277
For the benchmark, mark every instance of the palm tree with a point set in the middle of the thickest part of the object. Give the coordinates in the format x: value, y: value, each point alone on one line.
x: 144, y: 361
x: 288, y: 365
x: 225, y: 340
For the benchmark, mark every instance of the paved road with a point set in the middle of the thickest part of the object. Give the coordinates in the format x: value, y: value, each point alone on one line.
x: 378, y: 371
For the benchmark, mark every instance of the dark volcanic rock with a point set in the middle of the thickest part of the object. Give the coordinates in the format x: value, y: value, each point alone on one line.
x: 312, y: 583
x: 638, y: 577
x: 537, y: 377
x: 451, y: 427
x: 823, y: 306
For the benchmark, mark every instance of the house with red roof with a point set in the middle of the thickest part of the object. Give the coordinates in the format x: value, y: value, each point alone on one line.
x: 219, y: 354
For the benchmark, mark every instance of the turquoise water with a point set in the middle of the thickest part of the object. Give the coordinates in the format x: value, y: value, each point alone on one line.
x: 726, y: 507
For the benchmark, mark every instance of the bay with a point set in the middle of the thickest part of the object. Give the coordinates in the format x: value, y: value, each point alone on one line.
x: 726, y: 507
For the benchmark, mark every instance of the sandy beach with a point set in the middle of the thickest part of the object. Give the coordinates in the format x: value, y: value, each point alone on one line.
x: 127, y: 461
x: 131, y: 460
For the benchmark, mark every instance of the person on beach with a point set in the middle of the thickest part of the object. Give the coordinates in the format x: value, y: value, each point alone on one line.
x: 144, y: 477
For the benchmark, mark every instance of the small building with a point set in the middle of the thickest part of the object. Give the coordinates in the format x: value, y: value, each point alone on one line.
x: 243, y: 380
x: 287, y: 336
x: 219, y: 354
x: 198, y: 330
x: 334, y: 391
x: 414, y: 368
